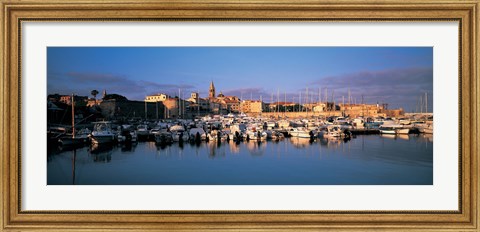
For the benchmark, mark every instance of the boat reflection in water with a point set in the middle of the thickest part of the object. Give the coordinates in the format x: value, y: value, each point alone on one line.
x: 101, y: 152
x: 256, y: 148
x: 403, y: 136
x: 427, y: 137
x: 299, y: 142
x: 362, y: 160
x: 215, y: 149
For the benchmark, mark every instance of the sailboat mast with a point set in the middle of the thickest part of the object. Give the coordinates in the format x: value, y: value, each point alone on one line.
x: 271, y: 101
x: 326, y: 97
x: 349, y: 97
x: 426, y: 103
x: 300, y: 101
x: 306, y: 100
x: 73, y: 116
x: 319, y: 95
x: 333, y: 100
x: 278, y: 100
x: 421, y: 104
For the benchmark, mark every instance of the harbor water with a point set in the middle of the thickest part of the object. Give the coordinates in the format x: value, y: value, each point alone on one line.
x: 363, y: 160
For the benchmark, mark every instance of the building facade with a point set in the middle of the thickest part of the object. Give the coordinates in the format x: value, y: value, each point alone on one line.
x: 157, y: 97
x: 79, y: 100
x: 228, y: 104
x: 252, y: 106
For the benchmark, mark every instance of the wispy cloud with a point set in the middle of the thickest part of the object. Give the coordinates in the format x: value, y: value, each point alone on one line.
x: 398, y: 87
x: 247, y: 93
x: 82, y: 84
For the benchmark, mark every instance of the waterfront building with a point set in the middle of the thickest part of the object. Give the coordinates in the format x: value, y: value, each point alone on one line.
x: 252, y: 106
x: 93, y: 102
x: 198, y: 104
x: 217, y: 103
x: 320, y: 107
x: 157, y: 97
x: 393, y: 112
x: 232, y: 104
x: 79, y: 100
x: 176, y: 108
x: 113, y: 109
x: 356, y: 110
x: 370, y: 110
x: 228, y: 104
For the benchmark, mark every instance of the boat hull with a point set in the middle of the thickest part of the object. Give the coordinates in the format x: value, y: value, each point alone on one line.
x: 98, y: 139
x: 402, y: 131
x: 395, y: 131
x: 390, y: 132
x: 72, y: 141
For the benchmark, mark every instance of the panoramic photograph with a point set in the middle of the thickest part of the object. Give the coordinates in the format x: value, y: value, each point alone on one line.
x: 239, y: 116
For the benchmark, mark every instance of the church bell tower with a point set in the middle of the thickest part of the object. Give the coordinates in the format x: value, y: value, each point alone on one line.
x: 211, y: 93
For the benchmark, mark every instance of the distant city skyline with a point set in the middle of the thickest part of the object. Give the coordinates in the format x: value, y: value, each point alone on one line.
x: 394, y: 75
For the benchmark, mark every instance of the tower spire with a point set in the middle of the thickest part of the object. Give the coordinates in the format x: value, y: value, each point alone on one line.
x: 211, y: 92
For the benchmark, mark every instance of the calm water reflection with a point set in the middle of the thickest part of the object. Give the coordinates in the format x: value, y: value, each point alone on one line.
x: 364, y: 160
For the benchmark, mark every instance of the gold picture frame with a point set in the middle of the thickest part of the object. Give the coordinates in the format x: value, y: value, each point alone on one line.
x: 14, y: 12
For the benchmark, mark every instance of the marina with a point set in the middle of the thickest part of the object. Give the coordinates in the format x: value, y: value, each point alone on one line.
x: 244, y: 151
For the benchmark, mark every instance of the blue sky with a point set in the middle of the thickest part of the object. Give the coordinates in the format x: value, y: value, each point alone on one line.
x: 394, y: 75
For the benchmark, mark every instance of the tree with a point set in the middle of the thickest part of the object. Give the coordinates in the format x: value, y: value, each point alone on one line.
x: 94, y: 94
x: 115, y: 97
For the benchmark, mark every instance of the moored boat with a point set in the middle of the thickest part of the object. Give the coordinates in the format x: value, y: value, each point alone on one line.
x: 299, y: 132
x: 393, y: 129
x: 334, y: 131
x: 102, y: 133
x: 164, y: 137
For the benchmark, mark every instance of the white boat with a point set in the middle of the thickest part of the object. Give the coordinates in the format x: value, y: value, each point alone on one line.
x: 179, y: 136
x: 155, y: 131
x: 358, y: 123
x: 237, y: 131
x: 216, y: 135
x: 254, y: 132
x: 333, y: 131
x: 178, y: 133
x: 102, y: 133
x: 426, y: 127
x: 256, y: 135
x: 126, y: 134
x: 343, y: 124
x: 164, y: 137
x: 393, y: 129
x: 299, y: 132
x: 283, y: 124
x: 276, y: 136
x: 271, y: 124
x: 177, y: 128
x: 142, y: 130
x: 197, y: 134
